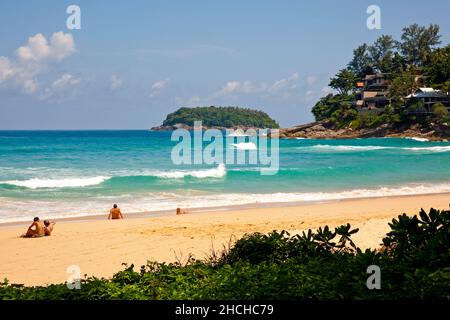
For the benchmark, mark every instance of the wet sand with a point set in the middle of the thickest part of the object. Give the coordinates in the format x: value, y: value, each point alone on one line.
x: 99, y: 246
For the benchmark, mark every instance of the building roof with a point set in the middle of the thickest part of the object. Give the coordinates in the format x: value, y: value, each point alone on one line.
x: 427, y: 93
x: 376, y: 75
x: 426, y: 89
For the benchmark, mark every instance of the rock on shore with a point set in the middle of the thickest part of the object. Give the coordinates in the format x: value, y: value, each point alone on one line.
x: 326, y: 130
x: 187, y: 127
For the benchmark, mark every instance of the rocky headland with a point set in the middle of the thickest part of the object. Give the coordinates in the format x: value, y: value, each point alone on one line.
x: 326, y: 130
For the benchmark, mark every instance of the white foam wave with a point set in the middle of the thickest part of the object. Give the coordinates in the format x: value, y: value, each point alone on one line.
x: 339, y: 148
x: 417, y: 139
x: 244, y: 146
x: 56, y: 183
x: 21, y: 210
x: 359, y: 193
x: 430, y: 149
x: 218, y: 172
x: 238, y: 134
x: 348, y: 148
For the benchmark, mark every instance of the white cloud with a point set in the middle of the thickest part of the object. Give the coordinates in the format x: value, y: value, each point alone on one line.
x: 235, y: 87
x: 230, y: 87
x: 115, y: 82
x: 30, y: 86
x: 309, y: 95
x: 6, y: 69
x: 284, y: 83
x: 247, y: 87
x: 38, y: 48
x: 157, y: 87
x: 60, y: 86
x: 64, y: 81
x: 326, y: 90
x: 190, y: 51
x: 33, y: 58
x: 193, y: 101
x: 310, y: 80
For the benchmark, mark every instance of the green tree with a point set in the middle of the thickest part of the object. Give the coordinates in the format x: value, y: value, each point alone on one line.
x: 418, y: 43
x: 440, y: 113
x: 404, y: 84
x: 221, y: 116
x: 344, y: 81
x: 327, y: 105
x: 413, y: 58
x: 399, y: 63
x: 343, y: 115
x: 438, y: 71
x: 361, y: 63
x: 382, y: 53
x: 415, y: 111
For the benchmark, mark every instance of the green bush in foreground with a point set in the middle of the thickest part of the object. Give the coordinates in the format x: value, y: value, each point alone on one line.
x: 414, y: 262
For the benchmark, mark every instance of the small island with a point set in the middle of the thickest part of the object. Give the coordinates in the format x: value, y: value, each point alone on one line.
x: 218, y: 118
x: 392, y: 88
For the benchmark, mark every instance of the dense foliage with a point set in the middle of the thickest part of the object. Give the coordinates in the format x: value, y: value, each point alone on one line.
x: 326, y: 264
x: 221, y: 117
x: 416, y: 54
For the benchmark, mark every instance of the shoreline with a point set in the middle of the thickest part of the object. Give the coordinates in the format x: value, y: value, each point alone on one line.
x: 197, y: 210
x: 325, y: 130
x: 321, y: 130
x: 100, y: 247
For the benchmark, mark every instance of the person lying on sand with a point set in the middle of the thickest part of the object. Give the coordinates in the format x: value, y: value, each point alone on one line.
x: 36, y: 229
x: 48, y: 227
x: 115, y: 213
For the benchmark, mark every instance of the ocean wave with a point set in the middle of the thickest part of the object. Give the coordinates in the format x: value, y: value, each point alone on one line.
x: 244, y: 146
x: 20, y: 210
x: 430, y: 149
x: 56, y: 183
x: 362, y: 193
x: 417, y: 139
x: 328, y: 147
x: 38, y: 183
x: 238, y: 134
x: 341, y: 148
x: 218, y: 172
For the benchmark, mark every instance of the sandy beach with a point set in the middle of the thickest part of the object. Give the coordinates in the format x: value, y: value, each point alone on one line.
x: 99, y: 247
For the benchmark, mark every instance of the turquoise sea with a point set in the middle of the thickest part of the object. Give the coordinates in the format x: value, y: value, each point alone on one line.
x: 76, y: 173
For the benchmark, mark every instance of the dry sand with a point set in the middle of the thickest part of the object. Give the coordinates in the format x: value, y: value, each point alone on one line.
x: 99, y: 247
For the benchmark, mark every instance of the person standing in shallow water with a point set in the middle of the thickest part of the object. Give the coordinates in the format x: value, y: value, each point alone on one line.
x: 115, y: 213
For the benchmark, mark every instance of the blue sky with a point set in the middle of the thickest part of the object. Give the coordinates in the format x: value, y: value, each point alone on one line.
x: 133, y: 62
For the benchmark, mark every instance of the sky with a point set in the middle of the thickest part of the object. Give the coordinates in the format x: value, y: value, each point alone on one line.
x: 133, y: 62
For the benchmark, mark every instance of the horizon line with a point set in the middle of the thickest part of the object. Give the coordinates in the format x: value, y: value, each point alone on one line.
x: 74, y: 130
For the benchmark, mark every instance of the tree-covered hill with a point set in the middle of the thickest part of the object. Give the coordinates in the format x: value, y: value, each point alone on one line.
x: 221, y: 117
x: 416, y: 55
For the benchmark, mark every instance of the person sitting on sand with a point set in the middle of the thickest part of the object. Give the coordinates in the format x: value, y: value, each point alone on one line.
x: 115, y: 213
x: 48, y: 227
x: 180, y: 211
x: 36, y: 229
